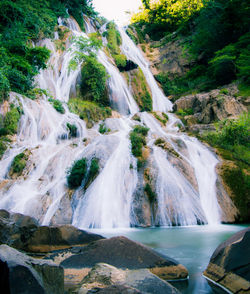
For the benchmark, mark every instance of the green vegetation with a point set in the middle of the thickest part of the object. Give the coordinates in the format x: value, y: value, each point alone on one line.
x: 214, y: 33
x: 232, y: 135
x: 151, y: 195
x: 137, y: 138
x: 94, y: 75
x: 80, y: 173
x: 92, y: 172
x: 23, y: 22
x: 141, y: 91
x: 163, y: 117
x: 103, y: 129
x: 18, y: 164
x: 72, y: 130
x: 77, y: 173
x: 57, y: 104
x: 91, y: 112
x: 114, y: 41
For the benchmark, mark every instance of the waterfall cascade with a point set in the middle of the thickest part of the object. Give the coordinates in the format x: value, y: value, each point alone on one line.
x: 108, y: 201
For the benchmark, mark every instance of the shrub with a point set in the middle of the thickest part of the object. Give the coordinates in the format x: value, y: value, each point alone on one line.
x: 11, y: 120
x: 77, y: 173
x: 141, y: 130
x: 57, y: 104
x: 103, y: 129
x: 120, y: 60
x: 72, y: 130
x: 151, y: 195
x: 91, y: 112
x: 137, y: 138
x: 18, y: 163
x: 93, y: 85
x: 93, y: 171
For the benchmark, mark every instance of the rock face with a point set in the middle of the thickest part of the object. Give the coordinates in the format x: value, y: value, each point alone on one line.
x: 25, y: 274
x: 211, y: 106
x: 229, y: 265
x: 23, y: 232
x: 125, y: 254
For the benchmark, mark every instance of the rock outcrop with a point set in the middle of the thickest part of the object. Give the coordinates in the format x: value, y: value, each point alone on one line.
x: 23, y: 232
x: 211, y: 106
x: 125, y: 254
x: 229, y: 265
x: 23, y: 274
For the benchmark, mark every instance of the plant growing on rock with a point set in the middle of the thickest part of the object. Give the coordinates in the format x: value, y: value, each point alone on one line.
x: 57, y: 104
x: 18, y: 164
x: 77, y: 173
x: 72, y: 130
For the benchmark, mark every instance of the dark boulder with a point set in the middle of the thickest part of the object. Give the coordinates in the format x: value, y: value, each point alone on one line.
x: 125, y: 254
x: 229, y: 265
x: 23, y: 232
x: 129, y: 66
x: 114, y: 289
x: 23, y: 274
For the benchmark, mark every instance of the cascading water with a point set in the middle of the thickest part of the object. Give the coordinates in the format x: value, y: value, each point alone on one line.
x: 107, y: 202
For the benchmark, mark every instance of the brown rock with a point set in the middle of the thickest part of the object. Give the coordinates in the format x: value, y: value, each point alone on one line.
x: 229, y: 265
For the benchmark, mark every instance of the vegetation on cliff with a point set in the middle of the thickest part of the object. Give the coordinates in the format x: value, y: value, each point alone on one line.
x: 215, y: 36
x: 22, y: 23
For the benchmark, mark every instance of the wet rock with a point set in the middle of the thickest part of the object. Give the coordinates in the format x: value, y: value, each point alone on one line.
x: 124, y: 254
x: 229, y: 265
x: 114, y: 289
x: 29, y: 275
x: 23, y: 232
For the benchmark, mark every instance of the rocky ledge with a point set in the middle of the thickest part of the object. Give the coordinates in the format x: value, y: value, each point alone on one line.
x: 229, y: 265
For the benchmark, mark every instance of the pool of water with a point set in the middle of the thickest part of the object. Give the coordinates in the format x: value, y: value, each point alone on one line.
x: 191, y: 246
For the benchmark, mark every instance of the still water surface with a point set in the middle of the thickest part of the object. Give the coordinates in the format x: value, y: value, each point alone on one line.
x: 191, y: 246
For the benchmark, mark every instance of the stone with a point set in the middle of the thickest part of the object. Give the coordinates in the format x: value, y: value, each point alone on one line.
x: 114, y: 289
x: 123, y: 254
x: 143, y: 281
x: 28, y: 275
x: 229, y: 265
x: 23, y: 232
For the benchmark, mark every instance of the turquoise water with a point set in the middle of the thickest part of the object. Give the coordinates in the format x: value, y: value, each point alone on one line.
x: 191, y: 246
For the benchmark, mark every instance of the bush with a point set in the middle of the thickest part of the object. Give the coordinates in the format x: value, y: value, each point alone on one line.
x: 93, y: 171
x: 120, y: 60
x: 137, y: 138
x: 57, y: 104
x: 11, y: 120
x: 91, y: 112
x: 77, y: 173
x: 151, y: 195
x: 72, y: 130
x: 93, y: 85
x: 103, y: 129
x: 18, y: 164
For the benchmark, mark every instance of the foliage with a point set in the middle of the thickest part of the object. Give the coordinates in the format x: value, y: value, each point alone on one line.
x: 76, y: 173
x: 120, y: 60
x: 182, y: 113
x: 103, y: 129
x: 18, y: 164
x: 88, y: 111
x: 233, y: 135
x: 22, y: 23
x: 141, y: 91
x: 72, y: 130
x: 163, y: 118
x: 137, y: 138
x: 92, y: 172
x: 57, y: 104
x: 94, y: 78
x: 11, y: 120
x: 151, y: 195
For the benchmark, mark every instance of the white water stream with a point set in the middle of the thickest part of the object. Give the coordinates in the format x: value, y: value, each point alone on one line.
x: 107, y: 202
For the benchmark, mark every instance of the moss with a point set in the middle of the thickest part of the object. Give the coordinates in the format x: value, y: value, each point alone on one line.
x: 160, y: 142
x: 18, y: 164
x: 141, y: 90
x: 77, y: 173
x: 151, y: 195
x: 224, y: 91
x: 57, y: 104
x: 3, y: 145
x: 90, y: 112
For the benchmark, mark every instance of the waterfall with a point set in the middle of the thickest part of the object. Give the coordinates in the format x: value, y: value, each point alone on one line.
x: 108, y: 201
